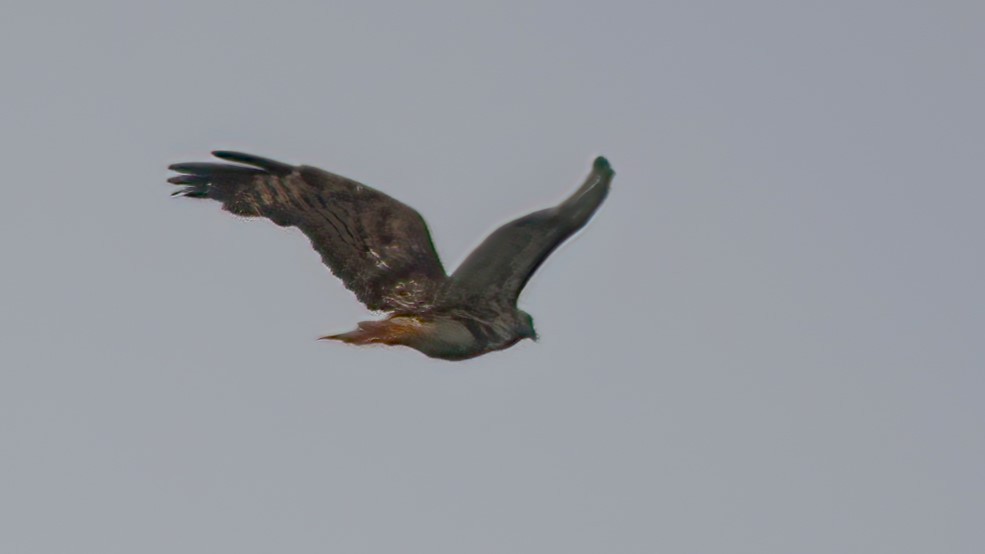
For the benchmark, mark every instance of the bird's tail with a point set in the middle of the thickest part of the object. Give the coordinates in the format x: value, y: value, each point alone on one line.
x: 388, y: 331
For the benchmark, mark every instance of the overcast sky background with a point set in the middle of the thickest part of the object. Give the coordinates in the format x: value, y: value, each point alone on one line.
x: 769, y: 340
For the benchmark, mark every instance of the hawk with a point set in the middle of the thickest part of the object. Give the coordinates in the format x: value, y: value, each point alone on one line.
x: 382, y: 251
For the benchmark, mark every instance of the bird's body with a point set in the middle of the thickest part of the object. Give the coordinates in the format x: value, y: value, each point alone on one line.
x: 454, y: 334
x: 382, y: 251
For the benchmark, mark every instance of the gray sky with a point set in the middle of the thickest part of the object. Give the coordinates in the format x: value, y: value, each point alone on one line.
x: 769, y: 340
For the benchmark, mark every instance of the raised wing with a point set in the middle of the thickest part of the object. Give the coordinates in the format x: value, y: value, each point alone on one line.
x: 379, y: 247
x: 498, y: 269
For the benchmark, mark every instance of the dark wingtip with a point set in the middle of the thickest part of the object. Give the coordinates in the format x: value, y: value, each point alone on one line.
x: 273, y: 166
x: 191, y: 192
x: 230, y: 155
x: 191, y: 185
x: 189, y: 180
x: 602, y: 164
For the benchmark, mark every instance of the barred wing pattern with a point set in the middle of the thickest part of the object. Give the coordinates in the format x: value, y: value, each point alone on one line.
x: 378, y: 246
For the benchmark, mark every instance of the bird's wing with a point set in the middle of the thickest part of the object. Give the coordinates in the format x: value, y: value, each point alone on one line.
x: 498, y: 269
x: 379, y: 247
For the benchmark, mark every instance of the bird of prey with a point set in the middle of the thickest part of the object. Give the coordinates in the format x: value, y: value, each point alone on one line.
x: 382, y: 251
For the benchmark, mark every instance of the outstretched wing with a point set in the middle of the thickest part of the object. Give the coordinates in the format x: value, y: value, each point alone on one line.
x: 379, y: 247
x: 498, y: 269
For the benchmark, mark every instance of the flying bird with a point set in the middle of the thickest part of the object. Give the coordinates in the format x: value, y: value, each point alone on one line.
x: 382, y: 251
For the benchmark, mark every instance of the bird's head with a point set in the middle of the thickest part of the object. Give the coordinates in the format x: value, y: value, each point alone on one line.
x: 526, y: 327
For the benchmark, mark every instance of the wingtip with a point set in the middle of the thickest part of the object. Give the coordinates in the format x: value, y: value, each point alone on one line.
x: 273, y: 166
x: 188, y: 179
x: 602, y: 164
x: 190, y: 192
x: 234, y: 156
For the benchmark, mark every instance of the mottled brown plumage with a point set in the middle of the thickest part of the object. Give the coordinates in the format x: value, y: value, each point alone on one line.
x: 382, y: 251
